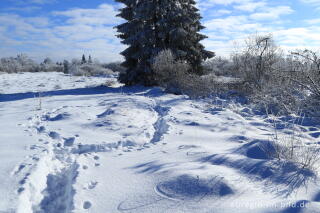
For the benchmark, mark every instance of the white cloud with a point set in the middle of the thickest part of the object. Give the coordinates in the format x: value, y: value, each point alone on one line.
x: 41, y: 1
x: 311, y: 1
x: 315, y: 3
x: 104, y: 14
x: 87, y: 31
x: 28, y: 2
x: 248, y: 17
x: 272, y: 13
x: 250, y: 6
x: 27, y: 9
x: 70, y: 33
x: 313, y: 21
x: 222, y: 12
x: 221, y: 2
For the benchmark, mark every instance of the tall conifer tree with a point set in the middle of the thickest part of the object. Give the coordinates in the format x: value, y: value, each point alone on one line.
x: 155, y: 25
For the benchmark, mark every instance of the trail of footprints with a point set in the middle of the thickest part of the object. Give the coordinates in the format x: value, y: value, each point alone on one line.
x: 65, y: 149
x: 60, y: 145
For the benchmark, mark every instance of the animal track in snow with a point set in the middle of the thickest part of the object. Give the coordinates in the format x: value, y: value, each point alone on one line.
x: 91, y: 185
x: 87, y: 205
x: 54, y: 135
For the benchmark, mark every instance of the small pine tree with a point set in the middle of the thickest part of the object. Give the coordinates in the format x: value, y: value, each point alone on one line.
x: 66, y: 66
x: 47, y: 61
x: 83, y: 60
x: 90, y: 60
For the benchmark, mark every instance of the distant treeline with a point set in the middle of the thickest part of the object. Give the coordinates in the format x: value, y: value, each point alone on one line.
x: 23, y: 63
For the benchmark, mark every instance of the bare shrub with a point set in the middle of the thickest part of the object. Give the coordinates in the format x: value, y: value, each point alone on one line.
x: 290, y: 146
x: 219, y: 66
x: 171, y: 74
x: 110, y: 83
x: 95, y: 70
x: 76, y: 71
x: 49, y: 66
x: 175, y: 77
x: 255, y: 63
x: 114, y: 66
x: 267, y: 75
x: 21, y: 63
x: 88, y: 69
x: 307, y: 70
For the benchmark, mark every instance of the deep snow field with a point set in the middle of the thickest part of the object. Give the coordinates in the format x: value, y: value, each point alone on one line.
x: 69, y: 144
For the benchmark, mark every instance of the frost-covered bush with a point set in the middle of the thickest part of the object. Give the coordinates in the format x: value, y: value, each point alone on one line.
x: 267, y: 75
x: 175, y: 77
x: 114, y: 66
x: 219, y: 66
x: 256, y: 61
x: 92, y: 69
x: 290, y: 147
x: 169, y: 73
x: 294, y: 84
x: 49, y: 66
x: 307, y: 70
x: 75, y: 70
x: 21, y: 63
x: 95, y: 70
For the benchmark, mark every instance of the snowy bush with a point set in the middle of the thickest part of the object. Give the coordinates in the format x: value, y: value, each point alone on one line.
x: 75, y: 70
x: 269, y: 79
x: 49, y: 66
x: 257, y: 60
x: 307, y: 70
x: 171, y: 74
x: 114, y: 66
x: 219, y: 66
x: 290, y: 147
x: 88, y: 70
x: 175, y: 77
x: 21, y: 63
x: 294, y: 84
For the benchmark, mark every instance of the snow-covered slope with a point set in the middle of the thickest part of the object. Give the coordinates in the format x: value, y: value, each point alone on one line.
x: 82, y: 147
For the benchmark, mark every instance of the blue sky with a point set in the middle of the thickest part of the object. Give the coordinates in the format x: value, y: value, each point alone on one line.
x: 64, y: 29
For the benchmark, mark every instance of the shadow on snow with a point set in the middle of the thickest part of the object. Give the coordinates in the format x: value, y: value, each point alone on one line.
x: 99, y: 90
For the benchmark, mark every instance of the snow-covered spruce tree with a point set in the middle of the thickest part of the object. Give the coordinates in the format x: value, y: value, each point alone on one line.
x: 83, y: 60
x: 90, y: 60
x: 127, y: 31
x: 156, y: 25
x: 182, y: 35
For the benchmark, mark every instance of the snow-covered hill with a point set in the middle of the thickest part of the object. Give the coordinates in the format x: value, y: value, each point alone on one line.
x: 83, y: 147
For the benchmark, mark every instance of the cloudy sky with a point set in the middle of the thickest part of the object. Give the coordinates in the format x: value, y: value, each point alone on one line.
x: 64, y: 29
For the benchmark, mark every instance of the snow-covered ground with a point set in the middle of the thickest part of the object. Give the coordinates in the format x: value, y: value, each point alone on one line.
x: 83, y: 147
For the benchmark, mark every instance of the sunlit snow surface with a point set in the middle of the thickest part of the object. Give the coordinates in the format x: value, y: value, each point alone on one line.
x: 71, y: 144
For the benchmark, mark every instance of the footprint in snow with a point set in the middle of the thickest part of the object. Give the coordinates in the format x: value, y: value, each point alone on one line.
x: 19, y: 169
x: 87, y: 205
x: 41, y: 129
x: 69, y: 141
x: 21, y: 189
x: 54, y: 135
x: 91, y: 185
